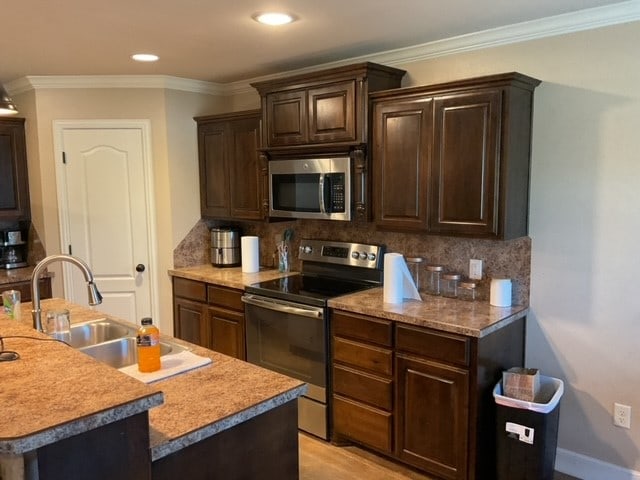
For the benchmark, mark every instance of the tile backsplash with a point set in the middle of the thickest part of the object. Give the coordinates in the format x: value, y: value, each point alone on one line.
x: 510, y: 259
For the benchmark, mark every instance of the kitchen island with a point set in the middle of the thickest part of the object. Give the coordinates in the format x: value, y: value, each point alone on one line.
x: 222, y: 420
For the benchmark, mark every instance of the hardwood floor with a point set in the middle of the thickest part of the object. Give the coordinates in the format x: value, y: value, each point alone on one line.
x: 322, y: 461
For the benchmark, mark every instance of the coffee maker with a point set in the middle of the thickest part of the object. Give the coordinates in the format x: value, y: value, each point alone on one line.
x: 13, y: 248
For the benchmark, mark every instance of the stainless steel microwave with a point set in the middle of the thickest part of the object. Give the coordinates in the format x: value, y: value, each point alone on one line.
x: 310, y: 188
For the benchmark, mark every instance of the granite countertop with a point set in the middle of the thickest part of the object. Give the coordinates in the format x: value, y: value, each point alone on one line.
x: 473, y: 319
x: 54, y: 392
x: 197, y: 404
x: 19, y: 275
x: 208, y: 400
x: 231, y: 277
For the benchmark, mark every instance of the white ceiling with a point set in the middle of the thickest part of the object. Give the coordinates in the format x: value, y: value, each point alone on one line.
x: 217, y: 41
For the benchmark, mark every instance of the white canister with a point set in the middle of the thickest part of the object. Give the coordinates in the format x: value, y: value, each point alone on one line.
x: 250, y: 247
x: 500, y: 295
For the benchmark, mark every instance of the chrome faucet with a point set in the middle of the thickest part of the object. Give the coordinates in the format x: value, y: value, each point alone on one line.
x: 36, y: 312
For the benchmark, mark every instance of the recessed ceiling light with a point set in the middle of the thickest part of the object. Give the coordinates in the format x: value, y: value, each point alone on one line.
x: 145, y: 57
x: 273, y: 18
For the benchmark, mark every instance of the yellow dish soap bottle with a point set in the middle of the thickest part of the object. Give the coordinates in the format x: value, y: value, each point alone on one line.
x: 148, y: 345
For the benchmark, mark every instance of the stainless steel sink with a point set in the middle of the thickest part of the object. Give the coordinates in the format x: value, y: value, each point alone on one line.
x: 98, y: 331
x: 122, y: 352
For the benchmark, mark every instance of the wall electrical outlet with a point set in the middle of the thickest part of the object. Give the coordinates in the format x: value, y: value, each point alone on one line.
x: 475, y: 269
x: 622, y: 415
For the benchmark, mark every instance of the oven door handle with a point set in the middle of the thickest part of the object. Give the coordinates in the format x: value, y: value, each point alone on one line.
x: 285, y: 307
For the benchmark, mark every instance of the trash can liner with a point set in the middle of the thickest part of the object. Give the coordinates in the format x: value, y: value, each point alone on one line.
x: 551, y: 390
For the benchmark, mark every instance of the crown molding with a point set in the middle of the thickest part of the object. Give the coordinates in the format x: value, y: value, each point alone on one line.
x: 587, y: 19
x: 581, y: 20
x: 37, y: 82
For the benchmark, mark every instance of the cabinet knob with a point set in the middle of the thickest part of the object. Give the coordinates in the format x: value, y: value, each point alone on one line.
x: 140, y: 268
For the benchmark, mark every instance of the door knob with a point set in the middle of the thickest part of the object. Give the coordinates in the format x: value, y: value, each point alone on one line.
x: 140, y: 268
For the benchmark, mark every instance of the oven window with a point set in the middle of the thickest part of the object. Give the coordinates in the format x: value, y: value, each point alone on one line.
x: 290, y: 344
x: 296, y: 192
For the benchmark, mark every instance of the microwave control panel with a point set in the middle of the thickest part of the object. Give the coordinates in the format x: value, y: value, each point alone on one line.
x: 337, y: 191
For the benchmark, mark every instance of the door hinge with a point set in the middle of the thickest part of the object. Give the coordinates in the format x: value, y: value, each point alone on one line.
x: 64, y: 158
x: 70, y: 251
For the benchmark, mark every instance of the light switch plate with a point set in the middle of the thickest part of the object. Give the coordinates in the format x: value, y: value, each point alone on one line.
x: 475, y: 269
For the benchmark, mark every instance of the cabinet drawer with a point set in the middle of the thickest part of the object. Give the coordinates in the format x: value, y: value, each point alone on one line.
x: 372, y: 330
x: 431, y: 344
x: 225, y: 297
x: 364, y: 424
x: 190, y: 289
x: 361, y: 386
x: 368, y: 357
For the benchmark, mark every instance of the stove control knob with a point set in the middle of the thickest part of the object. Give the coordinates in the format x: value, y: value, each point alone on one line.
x: 306, y: 249
x: 372, y: 256
x: 364, y: 255
x: 355, y: 255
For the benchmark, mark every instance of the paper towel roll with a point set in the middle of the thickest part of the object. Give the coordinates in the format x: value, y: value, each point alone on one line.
x: 250, y: 250
x: 398, y: 283
x: 500, y: 295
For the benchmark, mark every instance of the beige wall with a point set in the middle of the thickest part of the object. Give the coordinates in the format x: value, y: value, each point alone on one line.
x: 174, y: 160
x: 584, y: 223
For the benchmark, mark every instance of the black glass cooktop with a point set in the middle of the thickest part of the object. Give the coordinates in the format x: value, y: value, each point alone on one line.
x: 307, y: 289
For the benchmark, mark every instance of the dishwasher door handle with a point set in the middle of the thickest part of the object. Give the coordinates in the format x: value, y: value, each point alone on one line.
x: 283, y: 306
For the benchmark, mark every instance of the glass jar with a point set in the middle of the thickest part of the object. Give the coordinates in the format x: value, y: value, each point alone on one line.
x: 414, y: 264
x: 450, y: 283
x: 468, y: 290
x: 432, y: 284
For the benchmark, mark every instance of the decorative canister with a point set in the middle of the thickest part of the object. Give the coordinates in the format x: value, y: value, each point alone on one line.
x: 468, y: 290
x: 414, y: 264
x: 450, y: 283
x: 432, y: 283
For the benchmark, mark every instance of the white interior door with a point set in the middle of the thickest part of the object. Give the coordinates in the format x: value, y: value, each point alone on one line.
x: 105, y: 216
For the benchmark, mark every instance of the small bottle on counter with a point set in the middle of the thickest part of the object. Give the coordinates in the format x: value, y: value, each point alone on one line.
x: 432, y: 284
x: 468, y: 290
x: 450, y: 284
x: 148, y: 346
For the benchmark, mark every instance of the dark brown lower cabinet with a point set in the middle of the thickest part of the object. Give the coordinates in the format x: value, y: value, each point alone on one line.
x: 265, y: 447
x: 189, y: 322
x: 117, y: 450
x: 210, y: 316
x: 227, y: 332
x: 432, y: 416
x: 419, y: 395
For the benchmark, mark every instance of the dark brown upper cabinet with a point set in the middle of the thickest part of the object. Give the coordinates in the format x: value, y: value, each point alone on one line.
x: 326, y: 108
x: 14, y: 181
x: 232, y: 178
x: 454, y: 158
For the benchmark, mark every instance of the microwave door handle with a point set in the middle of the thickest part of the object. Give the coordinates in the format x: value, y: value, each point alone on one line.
x: 321, y: 194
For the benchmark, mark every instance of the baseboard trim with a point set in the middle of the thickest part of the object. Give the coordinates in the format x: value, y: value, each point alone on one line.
x: 588, y: 468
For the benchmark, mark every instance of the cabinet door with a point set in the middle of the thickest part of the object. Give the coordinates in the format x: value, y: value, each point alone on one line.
x: 286, y: 118
x: 189, y: 322
x: 432, y: 416
x: 227, y: 332
x: 401, y: 157
x: 332, y: 113
x: 14, y: 182
x: 214, y: 177
x: 244, y: 170
x: 464, y: 190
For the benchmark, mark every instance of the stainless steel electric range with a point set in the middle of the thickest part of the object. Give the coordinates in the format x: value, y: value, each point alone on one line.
x: 287, y: 319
